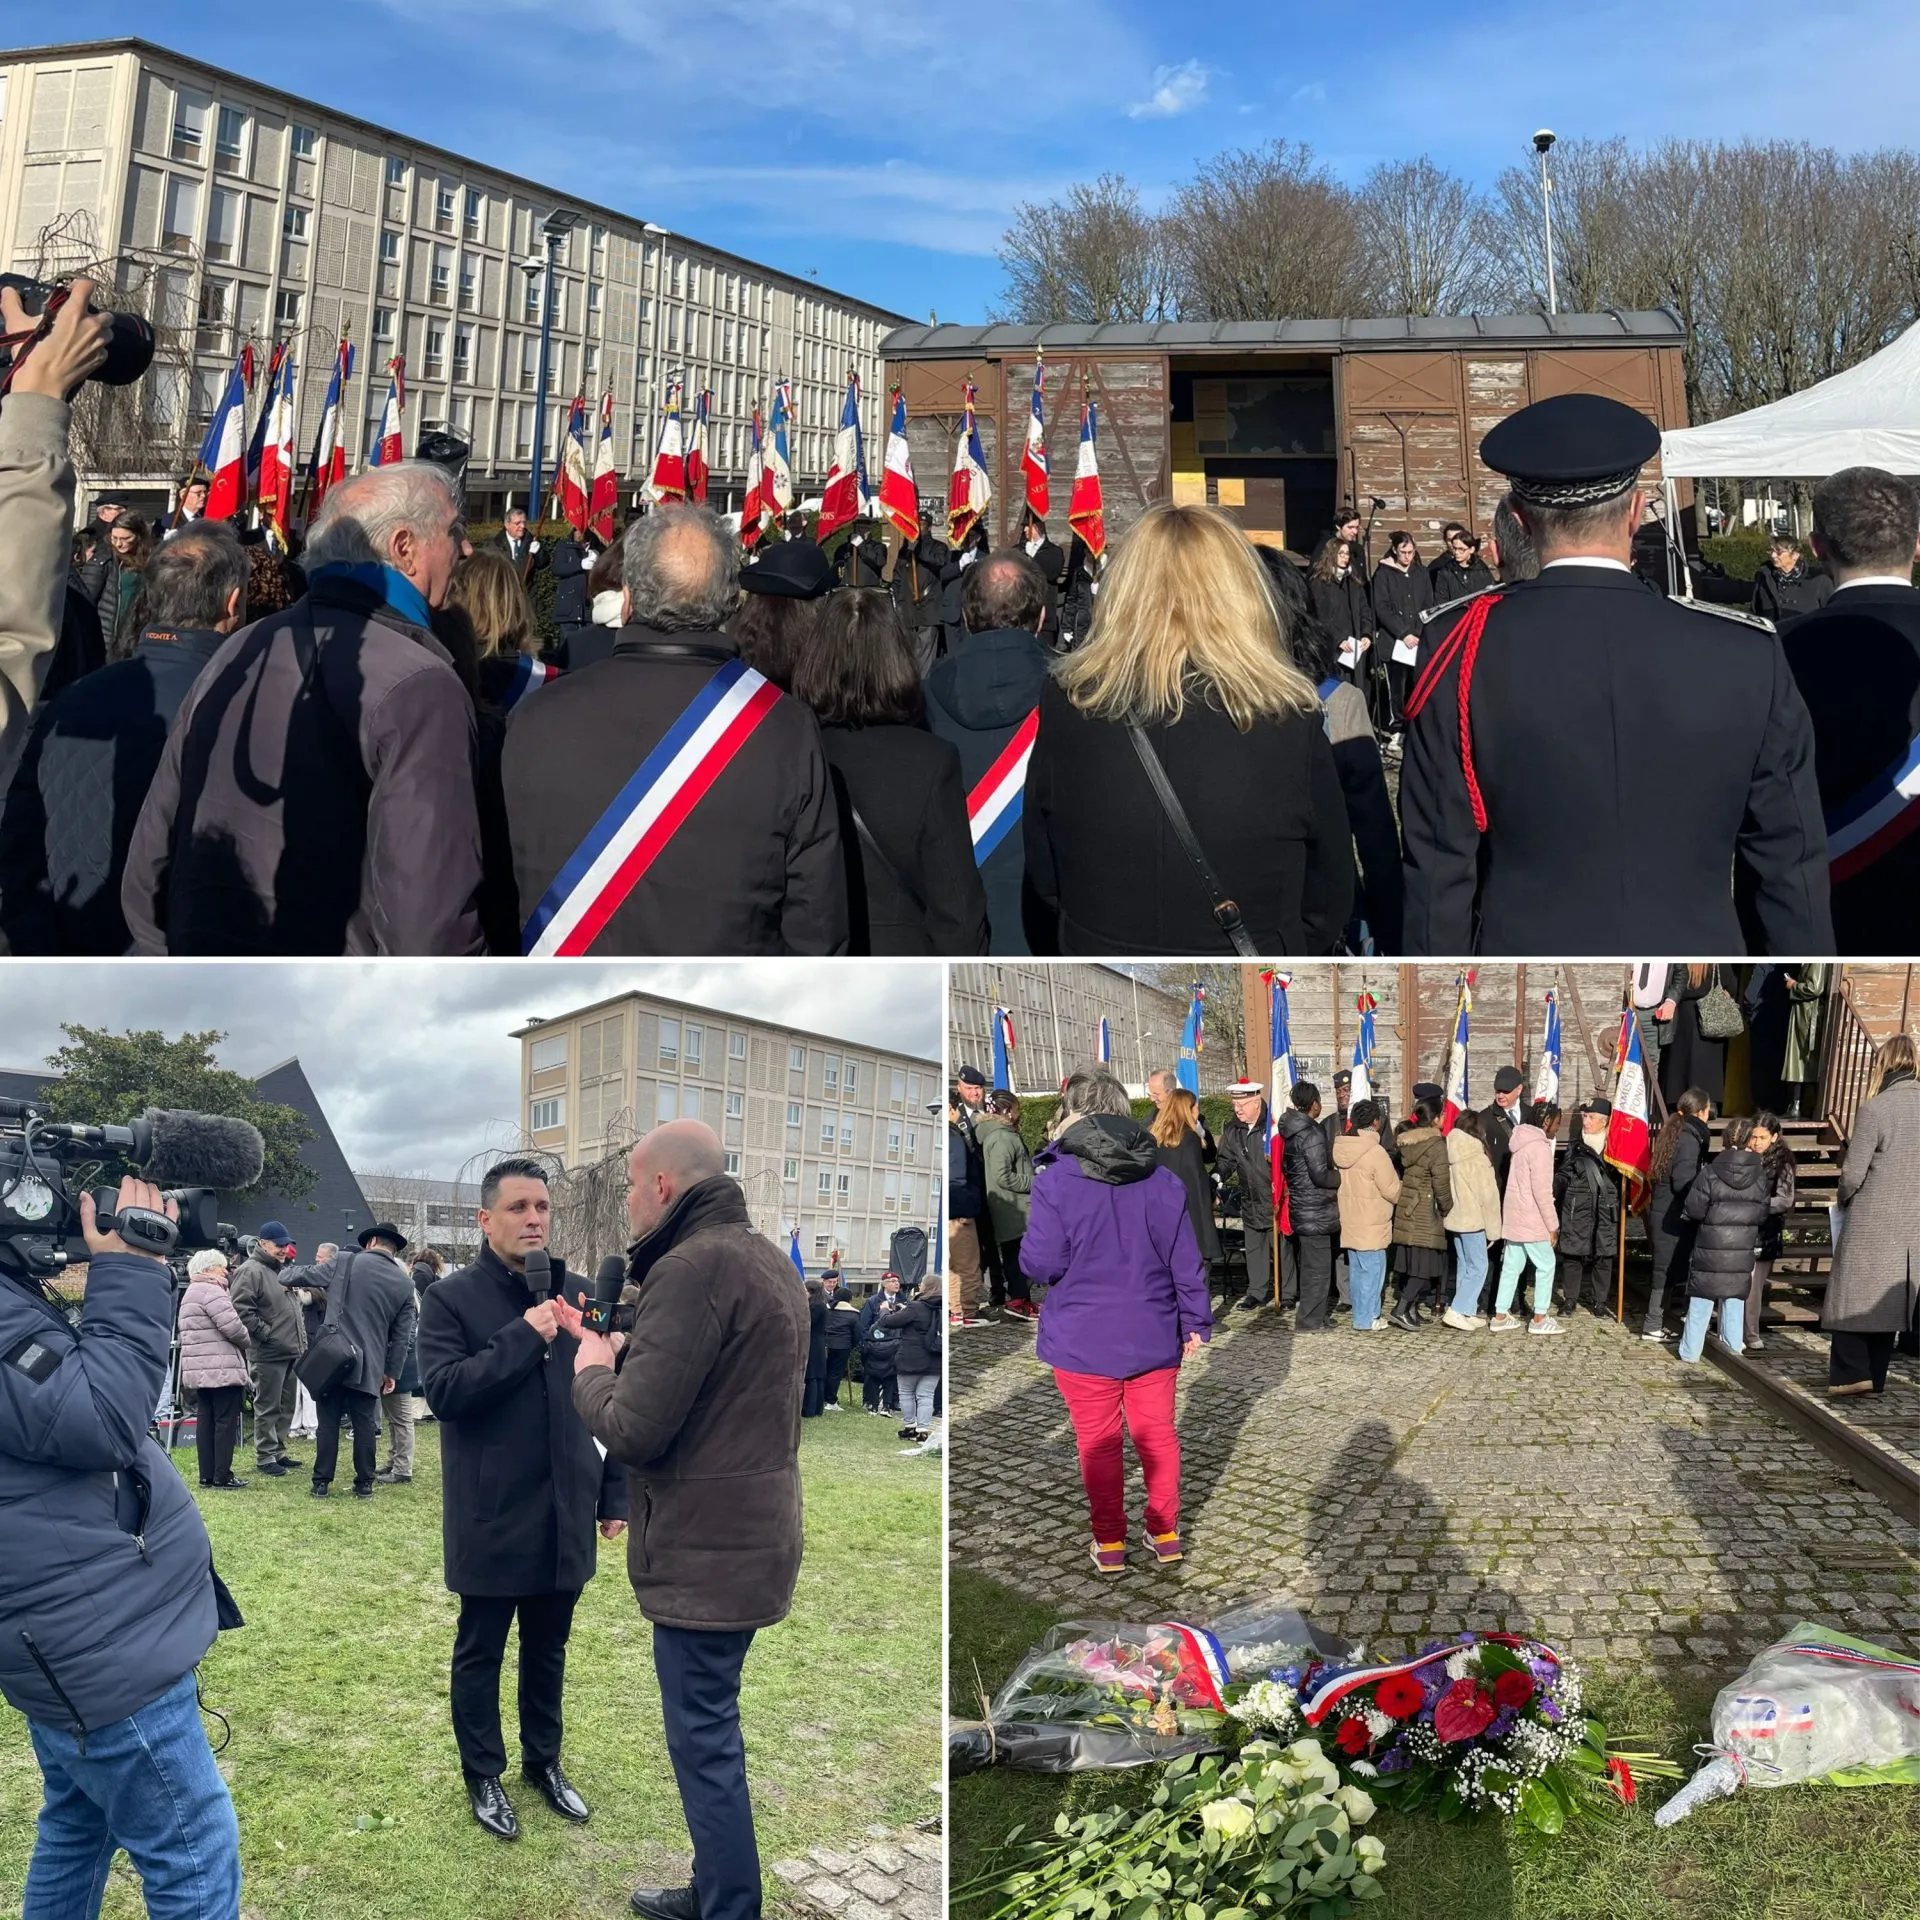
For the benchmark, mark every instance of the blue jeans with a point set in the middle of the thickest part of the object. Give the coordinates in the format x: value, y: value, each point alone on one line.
x: 1516, y: 1256
x: 147, y: 1783
x: 1733, y: 1322
x: 1367, y: 1277
x: 700, y: 1703
x: 1470, y: 1272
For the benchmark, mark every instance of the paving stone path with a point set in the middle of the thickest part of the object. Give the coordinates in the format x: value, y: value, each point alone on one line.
x: 884, y: 1875
x: 1588, y: 1489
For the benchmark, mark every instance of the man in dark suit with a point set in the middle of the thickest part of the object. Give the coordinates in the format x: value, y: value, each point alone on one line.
x: 1857, y: 662
x: 518, y: 544
x: 697, y: 812
x: 1699, y: 825
x: 522, y: 1485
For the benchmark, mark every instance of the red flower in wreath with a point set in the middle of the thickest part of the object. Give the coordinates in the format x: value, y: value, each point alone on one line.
x: 1513, y: 1689
x: 1353, y: 1737
x: 1400, y: 1696
x: 1464, y: 1710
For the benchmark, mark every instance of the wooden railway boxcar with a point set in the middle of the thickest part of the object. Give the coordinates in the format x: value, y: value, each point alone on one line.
x: 1279, y: 422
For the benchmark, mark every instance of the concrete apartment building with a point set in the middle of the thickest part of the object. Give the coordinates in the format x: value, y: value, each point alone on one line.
x: 823, y: 1133
x: 431, y: 1213
x: 232, y: 211
x: 1057, y: 1012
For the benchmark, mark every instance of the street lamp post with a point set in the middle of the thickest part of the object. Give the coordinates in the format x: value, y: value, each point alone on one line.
x: 553, y: 230
x: 1543, y: 145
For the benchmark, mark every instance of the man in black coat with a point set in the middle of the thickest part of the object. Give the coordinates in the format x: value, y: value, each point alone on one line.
x: 704, y: 1411
x: 1313, y: 1203
x: 94, y: 748
x: 1857, y: 662
x: 1698, y: 828
x: 521, y: 1487
x: 1586, y: 1195
x: 984, y: 697
x: 966, y: 1202
x: 1243, y: 1154
x: 916, y: 592
x: 370, y: 1299
x: 750, y: 863
x: 861, y: 558
x: 516, y: 541
x: 1497, y: 1124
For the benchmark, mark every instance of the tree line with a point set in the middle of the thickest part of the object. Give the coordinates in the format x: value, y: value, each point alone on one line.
x: 1787, y: 262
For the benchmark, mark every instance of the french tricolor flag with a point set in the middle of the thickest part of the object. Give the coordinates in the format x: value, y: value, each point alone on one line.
x: 604, y: 495
x: 697, y: 467
x: 755, y: 507
x: 1033, y: 462
x: 994, y: 805
x: 777, y: 492
x: 899, y: 497
x: 1456, y: 1096
x: 970, y: 491
x: 1629, y: 1131
x: 846, y: 478
x: 1003, y: 1049
x: 224, y: 451
x: 1087, y: 511
x: 330, y: 450
x: 1103, y: 1043
x: 669, y: 478
x: 389, y: 443
x: 529, y: 676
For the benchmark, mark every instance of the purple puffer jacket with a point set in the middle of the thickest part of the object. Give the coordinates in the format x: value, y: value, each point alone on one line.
x: 213, y: 1340
x: 1109, y: 1230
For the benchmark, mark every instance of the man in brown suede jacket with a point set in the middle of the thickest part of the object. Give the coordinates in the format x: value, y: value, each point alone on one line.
x: 704, y: 1413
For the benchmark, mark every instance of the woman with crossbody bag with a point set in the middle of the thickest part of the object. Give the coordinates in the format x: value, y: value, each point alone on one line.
x: 1704, y: 1016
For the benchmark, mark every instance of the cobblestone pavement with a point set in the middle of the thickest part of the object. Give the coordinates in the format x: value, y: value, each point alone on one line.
x: 884, y: 1875
x: 1588, y: 1489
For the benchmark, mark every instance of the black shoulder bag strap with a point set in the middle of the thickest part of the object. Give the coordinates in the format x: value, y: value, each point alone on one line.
x: 1226, y: 912
x: 306, y: 653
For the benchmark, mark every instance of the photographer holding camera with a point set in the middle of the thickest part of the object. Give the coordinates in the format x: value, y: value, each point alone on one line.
x: 108, y: 1598
x: 705, y: 1414
x: 36, y: 491
x: 521, y: 1487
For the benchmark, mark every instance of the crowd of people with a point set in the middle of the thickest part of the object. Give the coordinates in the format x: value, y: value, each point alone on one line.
x: 1190, y: 745
x: 1121, y: 1236
x: 895, y: 1339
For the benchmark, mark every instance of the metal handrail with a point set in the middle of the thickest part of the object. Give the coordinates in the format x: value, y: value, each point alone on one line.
x: 1847, y: 1068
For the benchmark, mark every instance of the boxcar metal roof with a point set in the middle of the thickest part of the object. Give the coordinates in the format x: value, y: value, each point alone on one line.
x: 1613, y: 327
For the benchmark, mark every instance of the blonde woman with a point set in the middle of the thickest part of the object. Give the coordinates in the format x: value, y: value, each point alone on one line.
x: 1872, y: 1298
x: 490, y: 600
x: 1188, y: 655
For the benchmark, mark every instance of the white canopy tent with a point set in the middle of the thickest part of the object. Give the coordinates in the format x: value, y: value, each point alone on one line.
x: 1868, y: 416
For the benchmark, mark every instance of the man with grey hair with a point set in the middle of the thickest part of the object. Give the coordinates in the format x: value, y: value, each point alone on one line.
x: 94, y: 748
x: 668, y: 799
x: 316, y: 794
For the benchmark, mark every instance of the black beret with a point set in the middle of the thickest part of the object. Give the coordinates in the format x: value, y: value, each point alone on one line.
x: 971, y: 1077
x: 1509, y: 1080
x: 1575, y: 450
x: 1598, y: 1104
x: 1429, y: 1090
x: 794, y: 569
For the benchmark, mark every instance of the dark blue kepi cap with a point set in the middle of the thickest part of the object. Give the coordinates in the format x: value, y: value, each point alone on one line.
x: 1575, y: 450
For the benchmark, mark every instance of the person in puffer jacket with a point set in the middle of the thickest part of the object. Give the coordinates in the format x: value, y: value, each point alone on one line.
x: 1109, y: 1232
x: 108, y: 1598
x: 214, y: 1348
x: 1529, y: 1221
x: 1730, y: 1200
x: 1313, y: 1203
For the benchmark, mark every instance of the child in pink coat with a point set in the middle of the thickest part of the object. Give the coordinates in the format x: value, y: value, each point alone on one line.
x: 1529, y: 1222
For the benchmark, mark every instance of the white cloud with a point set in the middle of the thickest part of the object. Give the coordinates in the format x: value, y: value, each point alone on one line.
x: 1316, y: 91
x: 1175, y: 90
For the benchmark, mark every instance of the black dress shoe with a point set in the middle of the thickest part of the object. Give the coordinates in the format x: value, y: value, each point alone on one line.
x: 362, y: 1493
x: 491, y: 1807
x: 388, y: 1478
x: 557, y: 1790
x: 319, y: 1492
x: 666, y: 1903
x: 273, y: 1470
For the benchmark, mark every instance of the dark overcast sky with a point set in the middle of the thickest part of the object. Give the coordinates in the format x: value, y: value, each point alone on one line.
x: 413, y: 1060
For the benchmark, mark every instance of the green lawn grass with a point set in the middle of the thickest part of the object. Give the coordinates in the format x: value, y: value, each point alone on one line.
x: 342, y: 1761
x: 1794, y: 1853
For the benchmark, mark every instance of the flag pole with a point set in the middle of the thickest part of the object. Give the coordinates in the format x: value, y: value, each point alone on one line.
x: 1620, y: 1281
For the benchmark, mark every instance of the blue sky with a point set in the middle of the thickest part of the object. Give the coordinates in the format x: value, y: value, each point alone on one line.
x: 883, y: 143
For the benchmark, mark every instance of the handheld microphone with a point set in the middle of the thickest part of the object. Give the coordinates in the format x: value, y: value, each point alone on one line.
x: 604, y: 1313
x: 539, y: 1274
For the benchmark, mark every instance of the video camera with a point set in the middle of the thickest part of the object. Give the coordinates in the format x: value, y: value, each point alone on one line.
x: 129, y: 344
x: 43, y: 1164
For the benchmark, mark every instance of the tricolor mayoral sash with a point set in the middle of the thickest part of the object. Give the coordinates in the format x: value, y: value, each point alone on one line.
x: 994, y: 806
x: 1875, y: 820
x: 648, y: 811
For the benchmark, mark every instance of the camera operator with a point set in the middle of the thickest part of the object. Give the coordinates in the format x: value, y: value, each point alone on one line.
x: 521, y: 1486
x: 108, y: 1599
x: 36, y: 501
x: 705, y: 1414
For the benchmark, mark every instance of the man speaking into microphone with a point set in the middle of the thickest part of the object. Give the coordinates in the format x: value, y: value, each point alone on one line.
x: 521, y: 1486
x: 705, y: 1412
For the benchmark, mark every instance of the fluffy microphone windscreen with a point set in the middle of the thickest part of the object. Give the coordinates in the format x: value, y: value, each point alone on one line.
x: 203, y: 1150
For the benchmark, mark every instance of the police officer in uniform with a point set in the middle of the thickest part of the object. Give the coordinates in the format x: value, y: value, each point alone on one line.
x: 1696, y: 824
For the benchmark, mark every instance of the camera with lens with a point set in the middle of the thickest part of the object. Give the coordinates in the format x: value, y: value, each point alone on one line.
x: 606, y: 1311
x: 44, y: 1163
x: 129, y: 344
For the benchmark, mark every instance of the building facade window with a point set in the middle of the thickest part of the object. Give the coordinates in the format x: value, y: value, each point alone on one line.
x: 696, y: 1039
x: 396, y: 171
x: 303, y: 143
x: 230, y: 141
x: 669, y: 1042
x: 544, y: 1055
x: 295, y: 221
x: 736, y: 1046
x: 549, y: 1113
x: 287, y: 305
x: 732, y: 1163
